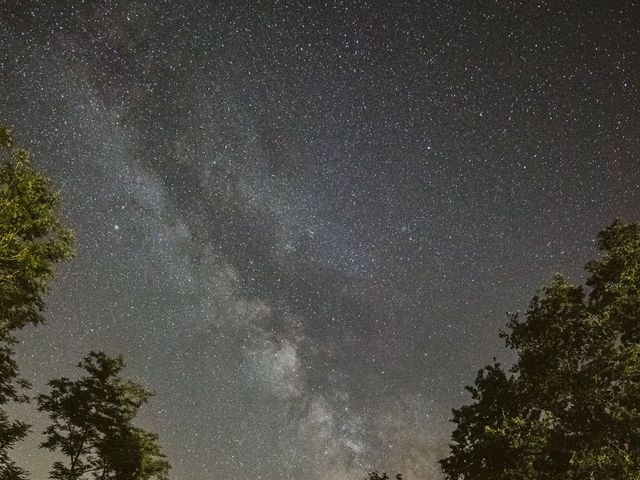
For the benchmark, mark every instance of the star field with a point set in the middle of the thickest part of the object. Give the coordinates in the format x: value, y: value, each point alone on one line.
x: 303, y: 223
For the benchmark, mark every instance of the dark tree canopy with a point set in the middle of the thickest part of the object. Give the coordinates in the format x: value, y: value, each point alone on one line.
x: 384, y: 476
x: 570, y: 406
x: 32, y: 240
x: 32, y: 236
x: 92, y: 425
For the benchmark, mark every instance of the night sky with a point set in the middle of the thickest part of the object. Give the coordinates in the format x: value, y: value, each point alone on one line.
x: 304, y: 223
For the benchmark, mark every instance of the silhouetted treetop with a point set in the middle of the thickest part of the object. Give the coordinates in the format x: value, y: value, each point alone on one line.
x: 569, y: 406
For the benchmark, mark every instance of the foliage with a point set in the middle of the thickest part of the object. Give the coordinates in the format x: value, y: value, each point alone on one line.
x: 32, y: 241
x: 131, y: 453
x: 570, y: 406
x: 32, y: 237
x: 92, y: 425
x: 10, y: 433
x: 384, y: 476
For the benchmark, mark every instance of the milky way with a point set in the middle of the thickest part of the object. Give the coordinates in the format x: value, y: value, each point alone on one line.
x: 303, y: 223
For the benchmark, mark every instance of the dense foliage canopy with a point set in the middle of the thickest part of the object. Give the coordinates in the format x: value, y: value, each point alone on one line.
x: 91, y: 425
x: 570, y: 406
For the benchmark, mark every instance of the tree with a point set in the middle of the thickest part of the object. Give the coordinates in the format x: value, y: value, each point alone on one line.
x: 10, y: 431
x: 130, y: 454
x: 32, y: 236
x: 376, y: 476
x: 92, y: 425
x: 570, y: 405
x: 32, y: 240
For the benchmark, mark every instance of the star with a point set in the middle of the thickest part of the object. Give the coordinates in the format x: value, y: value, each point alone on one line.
x: 298, y: 223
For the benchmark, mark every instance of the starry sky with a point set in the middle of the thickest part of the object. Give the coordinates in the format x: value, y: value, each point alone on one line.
x: 304, y: 223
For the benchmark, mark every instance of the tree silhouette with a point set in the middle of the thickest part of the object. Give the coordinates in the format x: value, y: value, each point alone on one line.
x: 92, y: 425
x: 32, y: 241
x: 376, y: 476
x: 570, y: 406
